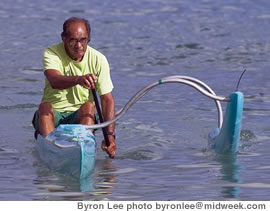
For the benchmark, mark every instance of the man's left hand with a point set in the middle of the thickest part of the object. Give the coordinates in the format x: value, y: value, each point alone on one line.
x: 110, y: 149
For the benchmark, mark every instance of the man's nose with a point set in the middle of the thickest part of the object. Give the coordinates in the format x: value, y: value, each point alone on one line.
x: 78, y: 44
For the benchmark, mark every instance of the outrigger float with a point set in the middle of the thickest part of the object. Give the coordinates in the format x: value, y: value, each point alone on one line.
x: 72, y: 148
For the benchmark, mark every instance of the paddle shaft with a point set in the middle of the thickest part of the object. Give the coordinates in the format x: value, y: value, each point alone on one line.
x: 100, y: 115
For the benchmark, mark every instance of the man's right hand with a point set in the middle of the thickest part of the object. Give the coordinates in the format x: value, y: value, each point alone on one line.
x: 86, y: 80
x: 59, y: 81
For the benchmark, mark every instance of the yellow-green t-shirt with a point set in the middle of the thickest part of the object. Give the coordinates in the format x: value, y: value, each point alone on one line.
x: 71, y: 99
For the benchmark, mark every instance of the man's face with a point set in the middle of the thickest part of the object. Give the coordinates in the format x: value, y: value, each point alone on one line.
x: 76, y: 41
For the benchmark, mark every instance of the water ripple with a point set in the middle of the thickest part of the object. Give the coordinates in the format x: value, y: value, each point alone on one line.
x: 19, y: 106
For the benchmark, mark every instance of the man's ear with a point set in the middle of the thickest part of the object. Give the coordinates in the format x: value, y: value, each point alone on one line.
x: 63, y: 36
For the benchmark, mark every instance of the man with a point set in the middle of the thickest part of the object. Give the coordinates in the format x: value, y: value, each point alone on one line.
x: 71, y: 67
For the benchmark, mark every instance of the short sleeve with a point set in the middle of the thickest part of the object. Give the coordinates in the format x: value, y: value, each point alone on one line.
x: 51, y: 60
x: 104, y: 82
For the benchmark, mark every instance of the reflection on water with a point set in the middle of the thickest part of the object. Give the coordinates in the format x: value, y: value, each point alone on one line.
x: 102, y: 171
x: 86, y: 184
x: 60, y: 186
x: 230, y: 170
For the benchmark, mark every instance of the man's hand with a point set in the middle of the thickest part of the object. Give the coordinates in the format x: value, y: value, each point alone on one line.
x: 110, y: 149
x: 86, y: 80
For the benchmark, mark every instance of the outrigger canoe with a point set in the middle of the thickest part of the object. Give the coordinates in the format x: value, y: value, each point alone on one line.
x: 71, y: 149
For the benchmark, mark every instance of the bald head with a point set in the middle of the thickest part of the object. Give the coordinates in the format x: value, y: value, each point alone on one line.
x: 68, y: 22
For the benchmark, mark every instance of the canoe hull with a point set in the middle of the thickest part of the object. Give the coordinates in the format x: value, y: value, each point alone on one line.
x: 226, y: 139
x: 70, y: 149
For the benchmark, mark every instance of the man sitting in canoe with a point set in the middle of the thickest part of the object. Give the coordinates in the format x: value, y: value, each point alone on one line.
x: 71, y: 67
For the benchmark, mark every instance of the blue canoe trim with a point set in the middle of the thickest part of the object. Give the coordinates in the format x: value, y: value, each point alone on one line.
x: 88, y: 154
x: 226, y: 139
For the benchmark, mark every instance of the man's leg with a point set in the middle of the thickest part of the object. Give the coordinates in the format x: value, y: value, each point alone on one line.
x: 46, y: 118
x: 86, y: 114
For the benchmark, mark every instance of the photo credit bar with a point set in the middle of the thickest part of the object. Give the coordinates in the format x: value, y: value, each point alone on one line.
x: 133, y: 205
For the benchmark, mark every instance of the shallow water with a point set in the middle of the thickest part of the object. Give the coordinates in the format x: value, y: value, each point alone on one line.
x: 162, y: 140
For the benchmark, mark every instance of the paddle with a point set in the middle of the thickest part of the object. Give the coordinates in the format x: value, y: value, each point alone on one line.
x: 100, y: 115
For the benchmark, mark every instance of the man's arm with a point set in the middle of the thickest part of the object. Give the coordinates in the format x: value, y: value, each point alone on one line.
x: 108, y: 110
x: 58, y: 81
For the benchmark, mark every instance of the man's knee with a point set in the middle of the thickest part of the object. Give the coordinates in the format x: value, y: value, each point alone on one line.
x: 86, y: 114
x: 89, y: 105
x: 45, y: 108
